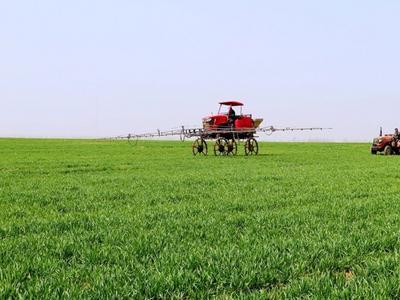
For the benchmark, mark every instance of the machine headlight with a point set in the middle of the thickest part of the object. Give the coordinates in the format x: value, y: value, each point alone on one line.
x: 377, y: 141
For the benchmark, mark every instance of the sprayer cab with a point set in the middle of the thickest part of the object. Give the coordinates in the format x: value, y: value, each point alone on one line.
x: 230, y: 115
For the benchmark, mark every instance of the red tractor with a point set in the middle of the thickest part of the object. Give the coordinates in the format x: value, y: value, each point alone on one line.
x: 227, y: 127
x: 389, y: 144
x: 230, y: 119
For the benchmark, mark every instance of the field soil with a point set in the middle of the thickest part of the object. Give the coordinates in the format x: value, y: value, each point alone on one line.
x: 103, y: 219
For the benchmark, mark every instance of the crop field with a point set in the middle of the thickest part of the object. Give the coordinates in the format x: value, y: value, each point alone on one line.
x: 101, y: 219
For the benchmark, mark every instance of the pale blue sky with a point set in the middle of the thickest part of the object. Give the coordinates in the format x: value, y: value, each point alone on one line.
x: 103, y: 68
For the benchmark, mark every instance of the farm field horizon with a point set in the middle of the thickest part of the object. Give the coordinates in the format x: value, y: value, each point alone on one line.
x: 108, y: 219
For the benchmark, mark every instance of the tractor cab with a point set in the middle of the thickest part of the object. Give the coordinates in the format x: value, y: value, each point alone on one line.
x: 226, y: 108
x: 230, y: 116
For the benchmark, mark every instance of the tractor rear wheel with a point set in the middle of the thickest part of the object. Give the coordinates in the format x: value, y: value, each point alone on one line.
x: 221, y: 147
x: 388, y: 150
x: 199, y: 147
x: 251, y: 147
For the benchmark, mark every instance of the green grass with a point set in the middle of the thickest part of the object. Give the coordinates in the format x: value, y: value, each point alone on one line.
x: 90, y: 219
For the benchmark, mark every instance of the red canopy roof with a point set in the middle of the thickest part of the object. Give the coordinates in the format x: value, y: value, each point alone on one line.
x: 232, y: 103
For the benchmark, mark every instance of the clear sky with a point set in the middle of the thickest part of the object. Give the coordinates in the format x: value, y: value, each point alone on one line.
x: 82, y: 68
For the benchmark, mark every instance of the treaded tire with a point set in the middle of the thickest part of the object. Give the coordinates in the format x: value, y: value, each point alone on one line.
x: 388, y: 150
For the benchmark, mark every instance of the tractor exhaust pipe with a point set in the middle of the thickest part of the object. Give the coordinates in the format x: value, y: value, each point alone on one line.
x: 381, y: 132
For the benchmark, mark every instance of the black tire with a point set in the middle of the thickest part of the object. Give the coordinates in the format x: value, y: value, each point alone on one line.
x: 232, y: 148
x: 200, y: 147
x: 251, y: 147
x: 221, y: 147
x: 388, y: 150
x: 374, y: 152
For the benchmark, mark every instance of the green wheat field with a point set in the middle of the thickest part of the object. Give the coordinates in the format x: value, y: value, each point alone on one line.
x: 103, y: 219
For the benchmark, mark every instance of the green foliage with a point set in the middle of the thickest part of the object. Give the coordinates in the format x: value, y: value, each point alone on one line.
x: 90, y: 219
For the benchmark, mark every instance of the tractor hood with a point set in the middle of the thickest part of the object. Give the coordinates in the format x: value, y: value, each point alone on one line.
x: 383, y: 139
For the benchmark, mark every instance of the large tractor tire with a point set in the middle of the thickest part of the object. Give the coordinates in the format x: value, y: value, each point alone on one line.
x: 221, y: 147
x: 251, y: 147
x: 388, y: 150
x: 200, y: 147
